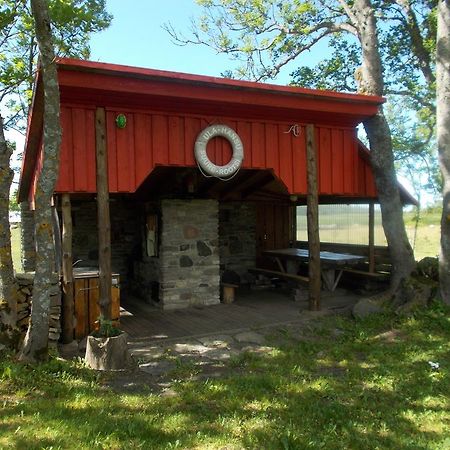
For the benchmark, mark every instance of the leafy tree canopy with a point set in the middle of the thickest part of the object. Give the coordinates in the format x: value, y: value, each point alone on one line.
x: 266, y: 36
x: 73, y: 21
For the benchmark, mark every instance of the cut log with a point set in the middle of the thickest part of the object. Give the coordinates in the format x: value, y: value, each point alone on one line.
x: 109, y: 353
x: 228, y: 292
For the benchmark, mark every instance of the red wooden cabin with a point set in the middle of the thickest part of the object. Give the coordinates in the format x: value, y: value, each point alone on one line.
x: 174, y: 231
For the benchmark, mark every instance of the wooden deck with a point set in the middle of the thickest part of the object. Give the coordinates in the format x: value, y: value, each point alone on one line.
x: 252, y: 309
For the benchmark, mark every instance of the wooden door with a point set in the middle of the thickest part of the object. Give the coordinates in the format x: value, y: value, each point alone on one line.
x: 273, y: 228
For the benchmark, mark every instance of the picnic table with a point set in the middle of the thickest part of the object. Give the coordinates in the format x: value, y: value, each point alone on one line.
x: 332, y: 264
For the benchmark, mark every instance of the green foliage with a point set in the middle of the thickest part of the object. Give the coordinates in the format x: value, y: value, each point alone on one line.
x: 73, y: 21
x: 106, y: 328
x: 269, y: 35
x: 13, y: 205
x: 414, y: 145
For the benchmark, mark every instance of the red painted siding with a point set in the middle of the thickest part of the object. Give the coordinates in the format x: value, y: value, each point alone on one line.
x: 77, y: 160
x: 152, y: 139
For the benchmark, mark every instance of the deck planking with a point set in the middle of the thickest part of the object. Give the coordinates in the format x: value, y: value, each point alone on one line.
x: 250, y: 310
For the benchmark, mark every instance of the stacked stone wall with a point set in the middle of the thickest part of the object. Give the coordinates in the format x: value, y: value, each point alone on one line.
x: 25, y: 298
x: 189, y: 253
x: 125, y: 235
x: 146, y: 279
x: 237, y: 231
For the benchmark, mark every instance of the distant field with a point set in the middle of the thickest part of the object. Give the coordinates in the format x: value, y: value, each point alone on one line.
x: 342, y: 224
x: 15, y: 244
x: 428, y: 233
x: 340, y: 228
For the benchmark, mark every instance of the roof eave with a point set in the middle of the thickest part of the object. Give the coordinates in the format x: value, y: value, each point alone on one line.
x: 33, y: 137
x: 406, y: 197
x: 180, y: 77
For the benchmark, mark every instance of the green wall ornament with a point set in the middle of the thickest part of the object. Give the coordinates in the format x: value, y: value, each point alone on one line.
x: 121, y: 121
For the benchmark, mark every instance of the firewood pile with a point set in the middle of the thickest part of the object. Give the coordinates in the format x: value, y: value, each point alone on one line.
x: 25, y: 295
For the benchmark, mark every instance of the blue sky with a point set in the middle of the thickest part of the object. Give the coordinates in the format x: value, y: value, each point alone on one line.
x: 136, y: 38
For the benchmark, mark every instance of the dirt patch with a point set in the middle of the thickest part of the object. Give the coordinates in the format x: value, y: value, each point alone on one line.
x: 389, y: 337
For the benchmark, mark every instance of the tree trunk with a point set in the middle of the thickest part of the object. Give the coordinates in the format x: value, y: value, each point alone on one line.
x: 36, y: 340
x: 8, y: 286
x: 27, y: 237
x: 401, y: 253
x: 443, y: 138
x: 382, y: 157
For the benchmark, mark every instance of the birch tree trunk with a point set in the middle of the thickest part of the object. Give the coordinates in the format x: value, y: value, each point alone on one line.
x: 8, y: 287
x: 36, y: 340
x: 379, y: 135
x: 443, y: 138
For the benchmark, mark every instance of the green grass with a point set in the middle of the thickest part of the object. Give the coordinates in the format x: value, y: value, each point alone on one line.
x: 347, y: 385
x: 428, y: 232
x: 16, y: 248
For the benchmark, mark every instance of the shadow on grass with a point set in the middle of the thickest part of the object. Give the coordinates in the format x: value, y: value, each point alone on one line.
x: 358, y: 389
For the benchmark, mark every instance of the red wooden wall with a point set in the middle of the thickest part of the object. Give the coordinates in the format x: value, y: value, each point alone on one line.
x: 152, y: 139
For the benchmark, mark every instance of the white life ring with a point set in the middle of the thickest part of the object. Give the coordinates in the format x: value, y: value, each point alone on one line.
x: 205, y: 164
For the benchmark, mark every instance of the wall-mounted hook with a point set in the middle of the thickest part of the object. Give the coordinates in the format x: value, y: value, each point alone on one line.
x: 294, y: 129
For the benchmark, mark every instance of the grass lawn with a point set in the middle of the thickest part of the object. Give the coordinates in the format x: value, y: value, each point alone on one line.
x: 338, y: 385
x: 428, y: 233
x: 15, y: 248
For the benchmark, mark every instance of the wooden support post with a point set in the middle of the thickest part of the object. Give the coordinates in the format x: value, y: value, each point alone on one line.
x: 68, y: 306
x: 371, y: 238
x: 313, y: 221
x: 103, y: 217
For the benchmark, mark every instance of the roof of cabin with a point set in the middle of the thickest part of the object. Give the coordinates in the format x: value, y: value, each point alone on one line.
x: 97, y: 84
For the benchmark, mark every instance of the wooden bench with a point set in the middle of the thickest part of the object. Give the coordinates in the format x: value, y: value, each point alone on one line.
x: 365, y: 273
x: 275, y: 273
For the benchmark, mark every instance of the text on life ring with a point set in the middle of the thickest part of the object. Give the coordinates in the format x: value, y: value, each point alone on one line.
x: 202, y: 157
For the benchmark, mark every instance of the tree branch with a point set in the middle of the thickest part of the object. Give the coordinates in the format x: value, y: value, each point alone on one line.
x: 417, y: 41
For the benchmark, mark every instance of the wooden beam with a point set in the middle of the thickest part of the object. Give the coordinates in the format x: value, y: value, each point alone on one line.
x: 103, y: 217
x: 244, y: 181
x: 206, y: 185
x: 258, y: 185
x: 313, y: 220
x: 68, y: 306
x: 371, y: 237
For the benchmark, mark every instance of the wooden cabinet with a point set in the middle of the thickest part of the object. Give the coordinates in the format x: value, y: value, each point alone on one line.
x: 86, y: 295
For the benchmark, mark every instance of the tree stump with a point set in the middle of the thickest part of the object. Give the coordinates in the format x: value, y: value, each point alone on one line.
x: 108, y: 353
